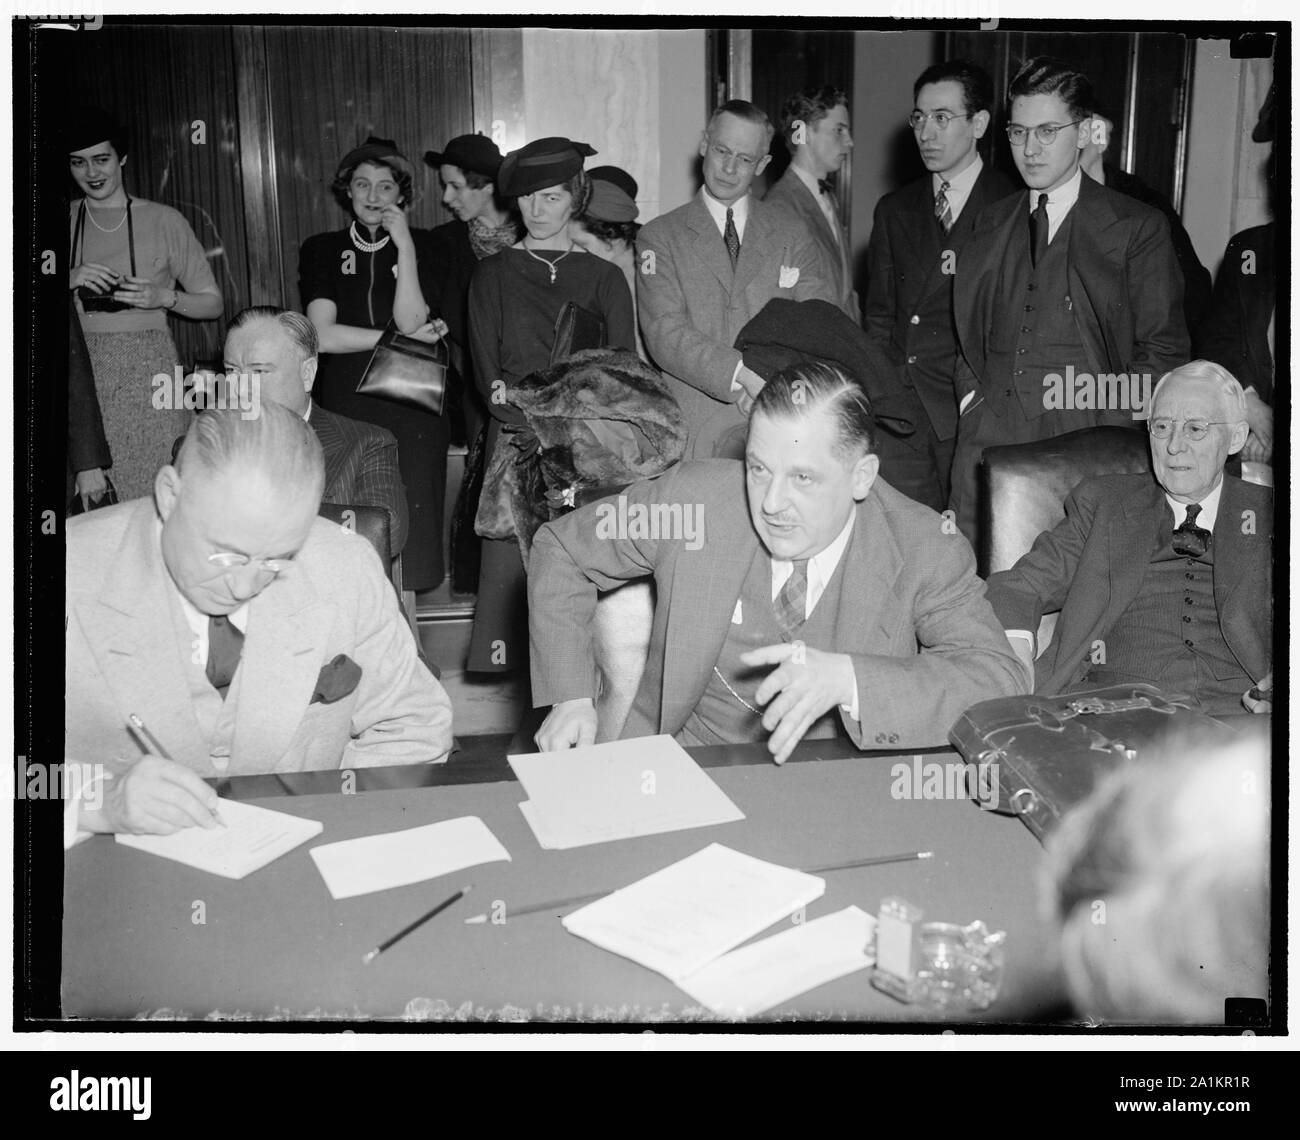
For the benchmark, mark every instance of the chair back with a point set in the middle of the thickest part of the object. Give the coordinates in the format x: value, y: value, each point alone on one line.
x: 1026, y: 485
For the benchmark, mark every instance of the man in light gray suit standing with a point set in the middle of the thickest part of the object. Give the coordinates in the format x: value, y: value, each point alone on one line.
x: 815, y: 124
x: 707, y: 267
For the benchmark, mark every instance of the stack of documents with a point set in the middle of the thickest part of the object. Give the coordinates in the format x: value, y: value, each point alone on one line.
x: 399, y: 858
x: 681, y: 922
x: 619, y: 790
x: 252, y: 837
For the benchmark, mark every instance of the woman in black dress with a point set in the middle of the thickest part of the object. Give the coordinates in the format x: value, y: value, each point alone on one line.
x: 514, y: 299
x: 353, y: 282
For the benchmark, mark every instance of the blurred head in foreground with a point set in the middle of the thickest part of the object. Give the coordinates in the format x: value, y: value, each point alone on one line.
x: 1159, y: 882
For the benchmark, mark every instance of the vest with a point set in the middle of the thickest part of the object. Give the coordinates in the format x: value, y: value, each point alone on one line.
x: 1170, y: 635
x: 216, y: 717
x: 1038, y: 334
x: 722, y: 715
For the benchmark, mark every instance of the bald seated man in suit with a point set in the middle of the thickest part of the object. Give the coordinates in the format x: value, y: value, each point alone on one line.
x: 249, y: 635
x: 1163, y: 581
x: 798, y: 595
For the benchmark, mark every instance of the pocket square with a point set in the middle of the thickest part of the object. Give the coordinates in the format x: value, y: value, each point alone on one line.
x: 737, y: 615
x: 789, y: 277
x: 336, y: 680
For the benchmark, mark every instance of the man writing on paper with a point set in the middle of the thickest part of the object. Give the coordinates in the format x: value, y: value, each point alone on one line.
x: 798, y: 594
x: 247, y: 634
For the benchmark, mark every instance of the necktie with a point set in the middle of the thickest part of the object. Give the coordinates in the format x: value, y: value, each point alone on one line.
x: 1190, y: 539
x: 942, y: 209
x: 732, y: 238
x: 790, y: 602
x: 1038, y: 230
x: 825, y: 185
x: 225, y: 643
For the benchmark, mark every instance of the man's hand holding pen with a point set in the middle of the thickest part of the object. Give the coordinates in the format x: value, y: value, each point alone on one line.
x: 154, y: 797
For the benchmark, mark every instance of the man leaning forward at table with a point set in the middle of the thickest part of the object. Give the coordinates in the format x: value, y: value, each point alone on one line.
x: 798, y: 594
x: 248, y: 634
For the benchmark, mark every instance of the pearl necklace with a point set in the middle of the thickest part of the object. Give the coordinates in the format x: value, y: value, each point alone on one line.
x: 551, y: 265
x: 367, y: 246
x: 91, y: 215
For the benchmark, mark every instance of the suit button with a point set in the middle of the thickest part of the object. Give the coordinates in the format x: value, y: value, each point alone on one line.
x: 880, y: 738
x: 1031, y: 287
x: 1190, y: 577
x: 1187, y: 642
x: 911, y: 360
x: 1025, y: 328
x: 893, y: 738
x: 1189, y: 601
x: 1029, y: 308
x: 1020, y: 371
x: 1007, y: 392
x: 915, y: 319
x: 1021, y: 351
x: 1187, y: 617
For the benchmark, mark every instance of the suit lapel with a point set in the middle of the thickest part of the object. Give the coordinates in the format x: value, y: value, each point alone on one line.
x: 709, y: 245
x: 706, y: 584
x: 131, y: 632
x: 284, y: 644
x: 1134, y: 538
x: 871, y: 565
x: 1096, y: 247
x: 331, y: 441
x: 756, y: 249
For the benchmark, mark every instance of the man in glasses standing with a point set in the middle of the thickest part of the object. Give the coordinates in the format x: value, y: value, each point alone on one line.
x: 912, y: 256
x: 1058, y: 287
x: 1164, y: 581
x: 245, y: 633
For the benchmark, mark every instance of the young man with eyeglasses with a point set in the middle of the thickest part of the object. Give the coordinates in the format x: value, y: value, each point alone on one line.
x: 916, y: 236
x: 1067, y: 279
x: 1163, y: 581
x: 247, y: 634
x: 705, y: 268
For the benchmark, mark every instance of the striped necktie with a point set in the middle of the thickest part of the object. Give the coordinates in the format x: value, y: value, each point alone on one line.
x: 942, y: 208
x: 793, y: 599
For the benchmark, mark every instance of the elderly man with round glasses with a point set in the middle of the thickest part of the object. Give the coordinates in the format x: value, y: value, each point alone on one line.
x: 1163, y: 580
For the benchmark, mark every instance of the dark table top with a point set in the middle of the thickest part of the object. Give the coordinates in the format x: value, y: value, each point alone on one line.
x: 147, y: 937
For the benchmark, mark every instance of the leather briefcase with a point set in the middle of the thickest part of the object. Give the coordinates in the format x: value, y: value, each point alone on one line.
x: 576, y: 328
x: 407, y: 371
x: 1036, y: 757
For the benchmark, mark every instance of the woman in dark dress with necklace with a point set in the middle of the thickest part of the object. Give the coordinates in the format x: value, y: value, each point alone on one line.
x: 352, y: 283
x: 514, y: 299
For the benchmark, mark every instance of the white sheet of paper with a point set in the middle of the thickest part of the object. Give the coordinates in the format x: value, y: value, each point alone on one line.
x: 753, y: 979
x: 252, y: 838
x: 645, y: 786
x: 679, y: 919
x: 399, y: 858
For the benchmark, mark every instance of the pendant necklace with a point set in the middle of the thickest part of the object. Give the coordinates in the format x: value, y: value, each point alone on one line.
x: 367, y: 246
x: 551, y: 265
x: 91, y: 215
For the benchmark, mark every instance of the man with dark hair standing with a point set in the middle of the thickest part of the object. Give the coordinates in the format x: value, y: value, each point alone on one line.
x: 1058, y: 287
x: 815, y: 125
x: 806, y: 597
x: 707, y: 267
x: 911, y: 261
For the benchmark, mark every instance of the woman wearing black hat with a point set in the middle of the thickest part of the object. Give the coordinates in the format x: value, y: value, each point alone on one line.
x: 514, y: 300
x: 352, y: 283
x: 133, y: 262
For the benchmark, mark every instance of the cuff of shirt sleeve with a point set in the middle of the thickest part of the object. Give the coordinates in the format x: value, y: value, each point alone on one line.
x: 1029, y: 637
x: 851, y: 709
x: 81, y: 782
x: 736, y: 385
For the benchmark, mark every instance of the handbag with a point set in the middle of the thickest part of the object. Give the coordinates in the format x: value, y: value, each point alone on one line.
x: 1037, y: 757
x: 107, y: 499
x: 406, y: 371
x: 576, y: 329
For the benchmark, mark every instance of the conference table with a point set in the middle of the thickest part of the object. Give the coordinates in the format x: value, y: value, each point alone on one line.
x: 146, y: 937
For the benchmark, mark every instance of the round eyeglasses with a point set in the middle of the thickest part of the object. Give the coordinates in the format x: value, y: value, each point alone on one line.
x: 1045, y: 134
x: 1194, y: 430
x: 228, y: 560
x: 941, y: 119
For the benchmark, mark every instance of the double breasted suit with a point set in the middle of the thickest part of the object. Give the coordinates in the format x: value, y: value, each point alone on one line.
x: 924, y: 641
x: 124, y: 654
x: 1093, y: 564
x: 692, y: 304
x: 790, y: 193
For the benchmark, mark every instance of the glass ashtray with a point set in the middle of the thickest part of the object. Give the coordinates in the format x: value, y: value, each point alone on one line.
x: 960, y: 969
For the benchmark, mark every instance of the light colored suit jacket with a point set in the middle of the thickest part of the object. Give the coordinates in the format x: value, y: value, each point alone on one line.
x: 790, y: 194
x: 123, y: 656
x: 692, y: 305
x: 1091, y: 567
x: 924, y: 641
